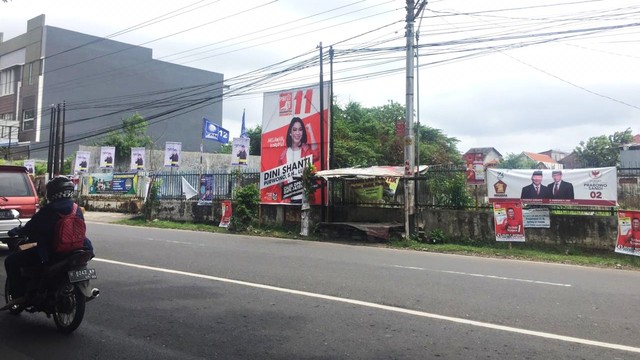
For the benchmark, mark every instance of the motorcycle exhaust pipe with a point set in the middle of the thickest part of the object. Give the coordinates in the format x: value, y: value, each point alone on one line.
x: 95, y: 292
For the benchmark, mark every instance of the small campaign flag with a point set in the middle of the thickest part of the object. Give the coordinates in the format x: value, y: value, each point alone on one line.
x: 243, y: 129
x: 212, y: 131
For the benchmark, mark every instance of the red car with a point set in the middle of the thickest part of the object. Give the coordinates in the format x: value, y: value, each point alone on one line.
x: 16, y: 192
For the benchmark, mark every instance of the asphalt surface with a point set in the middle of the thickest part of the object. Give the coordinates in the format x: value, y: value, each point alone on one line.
x: 174, y: 294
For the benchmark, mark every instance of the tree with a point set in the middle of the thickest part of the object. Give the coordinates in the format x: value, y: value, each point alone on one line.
x: 226, y: 148
x: 132, y: 134
x: 517, y: 161
x: 436, y: 148
x: 255, y: 140
x: 368, y: 136
x: 603, y: 150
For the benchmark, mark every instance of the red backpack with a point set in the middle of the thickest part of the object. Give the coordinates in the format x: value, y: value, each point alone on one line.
x: 70, y: 232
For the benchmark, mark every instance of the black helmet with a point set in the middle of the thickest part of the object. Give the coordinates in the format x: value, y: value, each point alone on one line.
x: 59, y: 187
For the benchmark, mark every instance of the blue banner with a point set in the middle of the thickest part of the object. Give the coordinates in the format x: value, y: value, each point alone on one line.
x: 212, y: 131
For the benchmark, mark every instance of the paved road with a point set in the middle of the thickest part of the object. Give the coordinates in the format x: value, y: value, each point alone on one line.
x: 170, y: 294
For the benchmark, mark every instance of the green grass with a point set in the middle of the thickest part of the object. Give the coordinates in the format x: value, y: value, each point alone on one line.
x: 277, y: 232
x: 564, y: 254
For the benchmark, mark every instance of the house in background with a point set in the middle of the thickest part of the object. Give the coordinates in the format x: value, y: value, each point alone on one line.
x: 556, y: 155
x: 571, y: 161
x: 490, y: 155
x: 543, y: 161
x: 630, y: 154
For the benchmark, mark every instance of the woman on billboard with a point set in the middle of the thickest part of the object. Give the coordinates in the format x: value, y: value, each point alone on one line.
x: 297, y: 146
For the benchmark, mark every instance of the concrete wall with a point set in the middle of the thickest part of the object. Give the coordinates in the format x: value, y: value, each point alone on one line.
x: 597, y: 232
x: 586, y: 231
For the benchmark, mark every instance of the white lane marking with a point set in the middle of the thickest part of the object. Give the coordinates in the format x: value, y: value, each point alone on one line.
x: 482, y: 275
x: 387, y: 308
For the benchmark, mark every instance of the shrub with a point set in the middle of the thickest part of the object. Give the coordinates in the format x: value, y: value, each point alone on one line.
x: 245, y: 207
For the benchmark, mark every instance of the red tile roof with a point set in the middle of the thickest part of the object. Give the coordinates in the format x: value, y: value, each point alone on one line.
x: 540, y: 157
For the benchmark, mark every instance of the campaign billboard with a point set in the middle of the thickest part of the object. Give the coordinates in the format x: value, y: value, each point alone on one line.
x: 172, y: 154
x: 475, y: 168
x: 107, y: 155
x: 587, y: 187
x: 628, y: 240
x: 292, y: 138
x: 137, y: 158
x: 508, y: 221
x: 82, y: 161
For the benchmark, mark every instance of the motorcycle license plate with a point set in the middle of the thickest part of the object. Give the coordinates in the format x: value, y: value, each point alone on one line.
x: 82, y: 275
x: 6, y: 214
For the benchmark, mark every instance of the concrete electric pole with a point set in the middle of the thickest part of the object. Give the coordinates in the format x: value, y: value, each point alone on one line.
x: 413, y: 11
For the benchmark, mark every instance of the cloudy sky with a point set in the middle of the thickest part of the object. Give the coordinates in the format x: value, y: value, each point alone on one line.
x: 527, y: 75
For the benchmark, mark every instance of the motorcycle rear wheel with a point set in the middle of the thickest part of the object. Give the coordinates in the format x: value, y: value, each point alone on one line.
x: 15, y: 309
x: 68, y: 322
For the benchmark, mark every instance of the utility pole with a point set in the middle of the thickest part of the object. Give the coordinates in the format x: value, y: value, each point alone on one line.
x: 62, y: 136
x: 52, y: 133
x: 413, y: 11
x: 323, y: 163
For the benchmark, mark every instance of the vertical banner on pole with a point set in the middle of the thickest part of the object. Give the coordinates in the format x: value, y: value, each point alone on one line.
x: 172, y: 154
x: 225, y: 219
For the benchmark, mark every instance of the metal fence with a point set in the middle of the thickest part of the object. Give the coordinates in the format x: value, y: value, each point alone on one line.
x: 445, y: 187
x: 440, y: 187
x: 171, y: 185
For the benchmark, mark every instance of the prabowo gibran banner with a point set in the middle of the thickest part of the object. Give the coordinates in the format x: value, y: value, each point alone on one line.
x: 588, y: 187
x: 292, y: 137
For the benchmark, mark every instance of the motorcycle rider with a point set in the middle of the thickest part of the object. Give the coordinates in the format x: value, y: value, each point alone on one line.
x: 40, y: 230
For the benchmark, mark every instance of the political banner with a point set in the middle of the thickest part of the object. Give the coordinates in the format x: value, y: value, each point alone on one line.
x: 82, y: 161
x: 30, y: 164
x: 240, y: 152
x: 628, y: 241
x: 227, y: 212
x: 508, y: 221
x: 137, y: 158
x: 291, y: 139
x: 100, y: 183
x: 124, y: 183
x: 588, y: 187
x: 475, y: 168
x: 215, y: 132
x: 205, y: 191
x: 374, y: 189
x: 172, y: 154
x: 107, y: 156
x: 539, y: 217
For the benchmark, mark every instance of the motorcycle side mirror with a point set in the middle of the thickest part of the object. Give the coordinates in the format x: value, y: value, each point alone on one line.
x: 15, y: 213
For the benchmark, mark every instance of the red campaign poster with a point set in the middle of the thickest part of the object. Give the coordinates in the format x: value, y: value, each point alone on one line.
x: 628, y: 241
x: 475, y: 168
x: 292, y: 138
x: 225, y: 219
x: 508, y: 221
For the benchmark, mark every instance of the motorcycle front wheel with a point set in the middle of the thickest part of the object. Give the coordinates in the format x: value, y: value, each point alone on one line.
x: 15, y: 309
x: 69, y: 317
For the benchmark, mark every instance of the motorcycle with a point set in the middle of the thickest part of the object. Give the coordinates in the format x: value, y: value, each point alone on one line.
x: 60, y: 290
